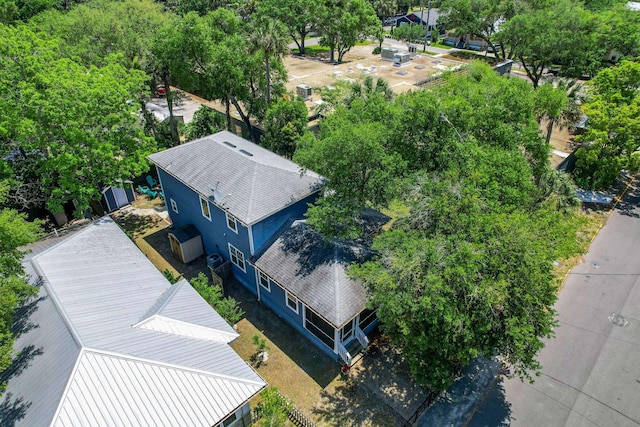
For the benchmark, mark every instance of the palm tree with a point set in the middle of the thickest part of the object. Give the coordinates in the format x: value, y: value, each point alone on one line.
x: 559, y: 103
x: 368, y: 89
x: 269, y: 36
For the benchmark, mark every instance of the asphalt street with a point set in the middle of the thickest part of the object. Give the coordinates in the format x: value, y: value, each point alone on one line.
x: 591, y: 369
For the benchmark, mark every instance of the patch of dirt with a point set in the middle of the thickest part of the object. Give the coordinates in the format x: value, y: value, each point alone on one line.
x: 358, y: 63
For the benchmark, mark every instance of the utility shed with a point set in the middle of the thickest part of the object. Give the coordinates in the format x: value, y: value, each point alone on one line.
x: 108, y: 341
x: 115, y: 197
x: 186, y: 243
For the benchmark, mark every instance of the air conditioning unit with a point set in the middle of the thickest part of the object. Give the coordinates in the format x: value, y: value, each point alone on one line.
x: 304, y: 91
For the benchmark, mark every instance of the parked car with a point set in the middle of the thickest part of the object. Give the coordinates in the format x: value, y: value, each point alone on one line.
x: 161, y: 90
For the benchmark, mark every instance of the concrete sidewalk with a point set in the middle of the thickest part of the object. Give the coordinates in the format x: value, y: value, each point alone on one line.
x: 455, y: 406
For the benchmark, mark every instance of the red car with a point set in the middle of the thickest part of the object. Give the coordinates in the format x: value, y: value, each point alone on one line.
x: 161, y: 90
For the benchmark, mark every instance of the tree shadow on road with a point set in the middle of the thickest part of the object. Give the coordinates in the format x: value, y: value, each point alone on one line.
x: 630, y: 204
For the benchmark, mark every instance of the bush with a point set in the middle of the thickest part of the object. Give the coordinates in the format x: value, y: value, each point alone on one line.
x: 377, y: 50
x: 227, y: 307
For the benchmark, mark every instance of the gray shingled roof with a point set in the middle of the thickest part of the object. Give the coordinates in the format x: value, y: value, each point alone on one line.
x: 111, y: 342
x: 313, y: 270
x: 252, y: 182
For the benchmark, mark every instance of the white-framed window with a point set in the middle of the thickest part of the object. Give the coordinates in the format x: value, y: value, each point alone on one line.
x: 229, y: 421
x: 204, y: 207
x: 237, y: 257
x: 174, y: 205
x: 264, y: 281
x: 292, y: 302
x: 232, y: 223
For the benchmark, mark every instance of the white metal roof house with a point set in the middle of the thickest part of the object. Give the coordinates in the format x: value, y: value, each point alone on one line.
x: 109, y: 342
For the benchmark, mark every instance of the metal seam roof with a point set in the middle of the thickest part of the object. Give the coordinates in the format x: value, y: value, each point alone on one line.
x: 98, y: 285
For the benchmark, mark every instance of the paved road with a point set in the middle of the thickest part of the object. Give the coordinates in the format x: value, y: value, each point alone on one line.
x: 591, y: 369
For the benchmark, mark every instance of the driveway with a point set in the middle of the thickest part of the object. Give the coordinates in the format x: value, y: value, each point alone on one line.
x: 591, y: 369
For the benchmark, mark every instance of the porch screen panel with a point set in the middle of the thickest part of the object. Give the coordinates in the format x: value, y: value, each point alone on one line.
x: 366, y: 318
x: 319, y: 328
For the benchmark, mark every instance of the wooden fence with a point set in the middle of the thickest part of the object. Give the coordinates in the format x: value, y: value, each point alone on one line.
x: 295, y: 415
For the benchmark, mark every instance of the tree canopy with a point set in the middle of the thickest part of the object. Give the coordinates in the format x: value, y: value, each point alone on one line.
x: 343, y: 23
x: 464, y: 269
x: 613, y: 134
x: 69, y: 128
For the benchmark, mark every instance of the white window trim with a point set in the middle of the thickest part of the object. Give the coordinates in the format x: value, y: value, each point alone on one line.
x: 260, y: 274
x: 174, y: 205
x: 287, y: 297
x: 235, y: 221
x: 238, y: 251
x: 204, y: 202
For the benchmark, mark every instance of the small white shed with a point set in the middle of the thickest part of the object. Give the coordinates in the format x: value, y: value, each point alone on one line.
x: 186, y: 243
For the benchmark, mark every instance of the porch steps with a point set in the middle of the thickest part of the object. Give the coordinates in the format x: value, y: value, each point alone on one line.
x: 355, y: 350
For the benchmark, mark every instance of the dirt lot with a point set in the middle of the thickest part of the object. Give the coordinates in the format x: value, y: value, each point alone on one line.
x: 359, y: 62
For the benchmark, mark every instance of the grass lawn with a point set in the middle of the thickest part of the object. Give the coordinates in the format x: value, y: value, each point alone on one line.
x: 440, y: 45
x: 313, y: 50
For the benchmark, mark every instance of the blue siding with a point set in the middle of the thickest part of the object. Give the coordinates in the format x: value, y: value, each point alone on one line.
x: 276, y: 301
x: 215, y: 233
x: 264, y: 229
x: 216, y: 236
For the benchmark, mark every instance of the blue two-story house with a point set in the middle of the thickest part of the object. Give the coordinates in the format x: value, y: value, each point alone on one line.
x: 248, y: 204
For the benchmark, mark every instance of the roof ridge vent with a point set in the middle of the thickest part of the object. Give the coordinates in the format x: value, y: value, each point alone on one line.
x: 245, y: 152
x: 229, y: 144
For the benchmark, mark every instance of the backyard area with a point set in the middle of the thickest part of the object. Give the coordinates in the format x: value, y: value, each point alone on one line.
x: 376, y: 392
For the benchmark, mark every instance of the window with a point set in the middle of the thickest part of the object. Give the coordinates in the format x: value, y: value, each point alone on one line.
x: 319, y: 328
x: 174, y: 205
x: 292, y: 302
x: 367, y: 317
x: 263, y: 279
x: 232, y: 223
x: 230, y: 420
x: 237, y: 257
x: 204, y: 206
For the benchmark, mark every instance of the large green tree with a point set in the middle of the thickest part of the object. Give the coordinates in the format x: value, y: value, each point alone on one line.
x: 99, y: 28
x: 70, y: 128
x: 212, y: 59
x: 462, y: 277
x: 478, y: 218
x: 352, y: 152
x: 613, y: 136
x: 299, y: 16
x: 478, y: 18
x: 285, y: 123
x: 345, y: 22
x: 562, y: 32
x: 15, y: 232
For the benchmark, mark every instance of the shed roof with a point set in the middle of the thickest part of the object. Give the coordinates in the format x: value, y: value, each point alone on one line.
x: 314, y: 270
x: 113, y: 343
x: 186, y: 233
x: 243, y: 178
